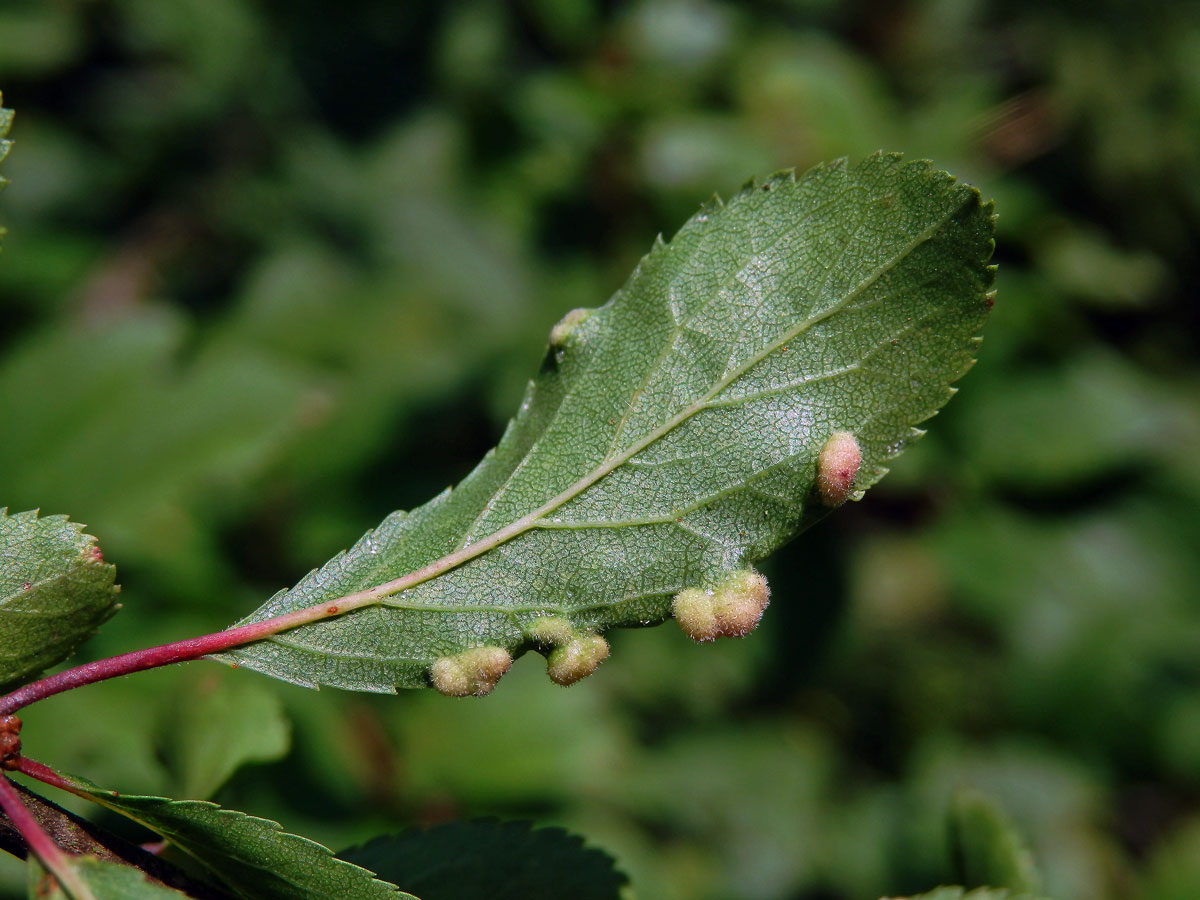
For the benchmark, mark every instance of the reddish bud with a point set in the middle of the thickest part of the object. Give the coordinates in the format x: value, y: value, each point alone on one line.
x: 837, y: 466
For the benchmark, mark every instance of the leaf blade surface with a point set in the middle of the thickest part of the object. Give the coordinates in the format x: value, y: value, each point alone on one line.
x: 672, y: 435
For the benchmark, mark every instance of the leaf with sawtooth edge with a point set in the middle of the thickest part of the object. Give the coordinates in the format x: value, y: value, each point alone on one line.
x: 672, y: 435
x: 987, y: 848
x: 254, y: 857
x: 491, y: 860
x: 55, y: 591
x: 958, y: 893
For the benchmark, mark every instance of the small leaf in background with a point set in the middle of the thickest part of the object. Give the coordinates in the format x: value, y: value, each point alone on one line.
x: 220, y: 724
x: 1174, y: 868
x: 106, y: 880
x: 986, y: 846
x: 55, y: 590
x: 207, y: 420
x: 672, y: 436
x: 6, y: 117
x: 1076, y: 421
x: 254, y: 857
x: 958, y: 893
x: 490, y: 860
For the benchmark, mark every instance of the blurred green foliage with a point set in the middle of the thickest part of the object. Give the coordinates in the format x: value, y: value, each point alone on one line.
x: 275, y: 269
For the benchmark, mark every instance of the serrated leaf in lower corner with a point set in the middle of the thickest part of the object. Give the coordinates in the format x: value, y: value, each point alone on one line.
x: 105, y: 880
x: 961, y: 893
x: 673, y: 436
x: 55, y: 591
x: 986, y: 847
x: 253, y: 857
x: 491, y: 860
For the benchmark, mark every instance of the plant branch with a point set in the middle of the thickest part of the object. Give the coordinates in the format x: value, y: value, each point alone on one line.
x: 44, y: 774
x: 42, y: 845
x: 179, y: 651
x: 195, y: 648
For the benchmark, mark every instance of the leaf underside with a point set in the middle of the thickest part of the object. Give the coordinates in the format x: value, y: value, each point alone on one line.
x: 55, y: 590
x: 671, y: 436
x: 254, y: 857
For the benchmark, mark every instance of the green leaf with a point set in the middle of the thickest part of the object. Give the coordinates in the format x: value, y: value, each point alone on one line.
x: 254, y: 857
x: 208, y: 416
x: 491, y: 860
x: 219, y: 725
x: 105, y: 880
x: 55, y: 590
x: 987, y: 848
x: 1173, y: 870
x: 958, y: 893
x: 672, y: 436
x: 6, y: 117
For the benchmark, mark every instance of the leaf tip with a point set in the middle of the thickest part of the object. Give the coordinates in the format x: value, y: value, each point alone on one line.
x: 471, y: 673
x: 837, y: 467
x: 731, y: 609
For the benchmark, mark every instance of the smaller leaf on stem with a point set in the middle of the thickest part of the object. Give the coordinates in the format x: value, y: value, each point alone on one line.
x: 55, y: 590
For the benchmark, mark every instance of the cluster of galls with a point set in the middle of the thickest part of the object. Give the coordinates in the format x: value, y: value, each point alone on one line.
x: 571, y: 654
x: 731, y: 608
x: 10, y: 741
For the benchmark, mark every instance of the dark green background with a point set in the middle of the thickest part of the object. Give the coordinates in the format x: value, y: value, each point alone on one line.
x: 275, y: 269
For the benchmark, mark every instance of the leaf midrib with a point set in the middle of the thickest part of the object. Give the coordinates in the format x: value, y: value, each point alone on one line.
x: 679, y: 325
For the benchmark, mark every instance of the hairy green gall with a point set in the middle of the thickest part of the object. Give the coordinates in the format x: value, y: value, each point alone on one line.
x: 561, y: 333
x: 550, y: 630
x: 731, y: 609
x: 471, y: 673
x: 837, y: 466
x: 577, y: 658
x: 575, y: 654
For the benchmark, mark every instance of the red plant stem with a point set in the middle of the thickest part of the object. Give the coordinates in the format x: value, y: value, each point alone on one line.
x: 37, y: 839
x: 42, y: 845
x: 179, y: 651
x: 44, y: 774
x: 194, y: 648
